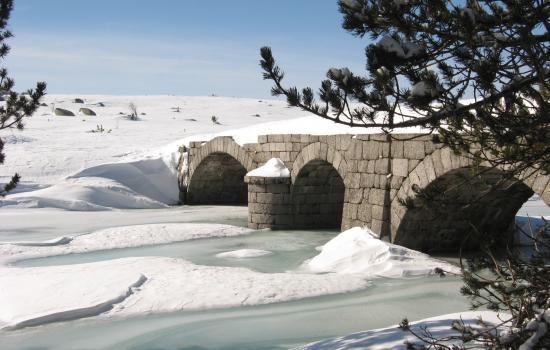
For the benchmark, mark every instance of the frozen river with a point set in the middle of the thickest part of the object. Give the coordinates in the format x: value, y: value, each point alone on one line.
x: 276, y: 326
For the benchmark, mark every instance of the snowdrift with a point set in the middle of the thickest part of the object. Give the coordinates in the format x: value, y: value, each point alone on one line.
x: 357, y: 251
x: 136, y: 286
x: 394, y: 337
x: 117, y: 238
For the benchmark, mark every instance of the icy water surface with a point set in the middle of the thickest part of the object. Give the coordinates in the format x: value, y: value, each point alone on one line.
x: 277, y: 326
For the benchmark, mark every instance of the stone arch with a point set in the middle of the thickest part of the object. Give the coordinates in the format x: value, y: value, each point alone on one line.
x: 319, y: 151
x: 442, y: 222
x: 216, y: 173
x: 317, y: 190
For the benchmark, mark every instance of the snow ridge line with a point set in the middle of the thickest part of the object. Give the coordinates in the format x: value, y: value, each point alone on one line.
x: 79, y: 312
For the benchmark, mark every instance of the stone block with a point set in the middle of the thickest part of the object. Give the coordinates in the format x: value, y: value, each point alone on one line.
x: 429, y: 168
x: 376, y: 226
x: 352, y: 180
x: 343, y: 142
x: 371, y: 150
x: 364, y: 212
x: 253, y: 188
x: 540, y: 183
x: 422, y: 176
x: 396, y: 181
x: 397, y: 149
x: 370, y: 166
x: 364, y: 180
x: 277, y: 188
x: 331, y: 141
x: 251, y: 197
x: 355, y: 150
x: 400, y: 167
x: 381, y: 181
x: 437, y: 164
x: 384, y: 150
x: 545, y: 195
x: 277, y: 147
x: 382, y: 166
x: 351, y: 210
x: 414, y: 150
x: 412, y: 164
x: 263, y: 219
x: 446, y: 159
x: 275, y: 138
x: 285, y: 156
x: 362, y: 166
x: 379, y: 213
x: 377, y: 196
x: 354, y: 196
x: 295, y: 138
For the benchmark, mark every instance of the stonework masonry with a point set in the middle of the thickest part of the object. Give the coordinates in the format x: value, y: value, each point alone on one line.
x: 336, y: 181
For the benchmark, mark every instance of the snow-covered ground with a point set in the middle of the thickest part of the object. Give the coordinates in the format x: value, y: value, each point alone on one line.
x: 97, y: 166
x: 108, y: 161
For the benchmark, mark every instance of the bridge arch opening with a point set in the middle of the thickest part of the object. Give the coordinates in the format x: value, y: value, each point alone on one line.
x: 317, y: 196
x: 218, y: 179
x: 452, y: 208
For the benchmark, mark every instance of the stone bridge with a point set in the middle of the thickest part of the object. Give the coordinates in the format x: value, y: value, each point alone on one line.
x: 341, y: 181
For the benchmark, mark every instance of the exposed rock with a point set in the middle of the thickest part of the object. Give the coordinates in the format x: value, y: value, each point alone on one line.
x: 78, y: 100
x: 86, y: 111
x: 63, y: 112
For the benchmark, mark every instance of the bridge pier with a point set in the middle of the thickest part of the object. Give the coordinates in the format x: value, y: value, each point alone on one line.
x: 269, y: 202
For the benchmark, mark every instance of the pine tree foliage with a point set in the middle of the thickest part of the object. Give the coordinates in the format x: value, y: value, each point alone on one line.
x: 516, y: 286
x: 16, y: 106
x: 474, y: 73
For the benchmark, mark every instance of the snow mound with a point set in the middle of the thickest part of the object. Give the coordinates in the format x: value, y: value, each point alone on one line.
x: 244, y: 253
x: 63, y: 296
x: 357, y: 251
x: 394, y: 337
x: 118, y: 237
x: 144, y: 184
x: 272, y: 168
x: 118, y: 288
x: 83, y: 194
x: 151, y: 178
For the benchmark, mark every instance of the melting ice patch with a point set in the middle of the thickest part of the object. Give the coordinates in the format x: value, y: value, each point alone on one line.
x: 244, y: 253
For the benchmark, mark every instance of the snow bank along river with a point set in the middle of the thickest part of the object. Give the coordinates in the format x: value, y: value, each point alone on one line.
x: 112, y: 292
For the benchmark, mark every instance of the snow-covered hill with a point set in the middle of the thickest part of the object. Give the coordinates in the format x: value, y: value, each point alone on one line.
x: 103, y: 161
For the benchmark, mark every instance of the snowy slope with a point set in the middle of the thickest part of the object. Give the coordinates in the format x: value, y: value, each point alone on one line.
x: 131, y: 164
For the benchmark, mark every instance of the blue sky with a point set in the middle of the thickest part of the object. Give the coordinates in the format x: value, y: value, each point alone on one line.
x: 182, y: 47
